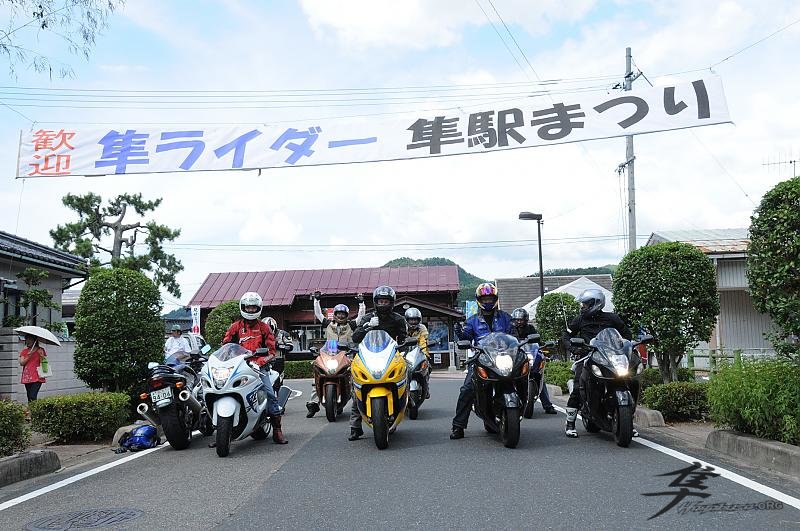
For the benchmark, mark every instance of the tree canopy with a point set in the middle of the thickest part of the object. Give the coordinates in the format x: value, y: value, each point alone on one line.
x: 553, y: 313
x: 88, y: 237
x: 467, y: 281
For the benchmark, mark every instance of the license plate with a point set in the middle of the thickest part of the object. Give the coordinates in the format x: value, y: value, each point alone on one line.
x: 161, y: 394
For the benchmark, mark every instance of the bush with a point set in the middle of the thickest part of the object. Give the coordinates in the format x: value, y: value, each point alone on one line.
x: 552, y: 313
x: 218, y: 322
x: 652, y: 376
x: 298, y: 369
x: 759, y: 397
x: 678, y: 400
x: 80, y: 417
x: 118, y: 329
x: 558, y: 373
x: 14, y: 433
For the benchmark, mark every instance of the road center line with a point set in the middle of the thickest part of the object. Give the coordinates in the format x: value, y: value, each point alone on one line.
x: 732, y: 476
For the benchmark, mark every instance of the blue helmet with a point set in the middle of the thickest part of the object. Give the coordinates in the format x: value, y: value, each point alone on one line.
x: 141, y: 438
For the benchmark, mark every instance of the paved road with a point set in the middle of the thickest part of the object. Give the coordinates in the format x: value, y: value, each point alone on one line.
x: 423, y: 480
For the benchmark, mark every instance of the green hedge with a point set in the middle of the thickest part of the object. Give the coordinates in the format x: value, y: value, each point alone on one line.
x: 298, y: 369
x: 14, y: 433
x: 80, y: 417
x: 652, y: 376
x: 678, y: 400
x: 759, y: 397
x: 557, y: 373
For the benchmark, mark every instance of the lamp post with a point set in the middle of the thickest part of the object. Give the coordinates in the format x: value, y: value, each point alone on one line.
x: 538, y: 219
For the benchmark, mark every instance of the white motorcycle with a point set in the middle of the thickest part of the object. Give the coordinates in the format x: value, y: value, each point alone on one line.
x: 235, y: 397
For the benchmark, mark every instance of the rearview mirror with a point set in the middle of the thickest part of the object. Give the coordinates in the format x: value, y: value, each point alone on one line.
x: 577, y: 342
x: 464, y: 344
x: 410, y: 341
x: 288, y: 348
x: 533, y: 338
x: 550, y: 344
x: 261, y: 351
x: 152, y: 365
x: 646, y: 338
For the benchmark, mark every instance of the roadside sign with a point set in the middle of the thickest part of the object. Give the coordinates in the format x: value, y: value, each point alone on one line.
x: 195, y: 319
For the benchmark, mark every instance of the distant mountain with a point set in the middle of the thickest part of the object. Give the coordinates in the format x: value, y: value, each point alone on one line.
x: 466, y: 281
x: 564, y: 271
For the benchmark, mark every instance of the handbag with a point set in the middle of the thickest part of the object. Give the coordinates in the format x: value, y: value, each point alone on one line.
x: 44, y: 369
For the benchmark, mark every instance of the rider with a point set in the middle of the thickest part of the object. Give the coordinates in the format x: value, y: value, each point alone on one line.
x: 381, y: 318
x: 488, y: 319
x: 591, y: 320
x: 253, y: 334
x: 521, y: 329
x: 420, y: 331
x: 340, y: 329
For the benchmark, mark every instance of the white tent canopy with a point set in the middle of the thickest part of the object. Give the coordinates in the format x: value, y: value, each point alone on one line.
x: 574, y: 288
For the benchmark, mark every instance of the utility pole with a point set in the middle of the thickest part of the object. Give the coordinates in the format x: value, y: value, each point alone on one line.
x: 629, y: 159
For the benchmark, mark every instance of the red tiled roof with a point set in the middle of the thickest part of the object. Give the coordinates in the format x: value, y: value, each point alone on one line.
x: 279, y: 288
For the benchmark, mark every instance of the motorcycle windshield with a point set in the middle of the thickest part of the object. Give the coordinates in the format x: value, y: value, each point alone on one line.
x: 376, y: 340
x: 610, y: 341
x: 496, y: 344
x: 177, y: 358
x: 331, y: 347
x: 613, y: 350
x: 230, y: 351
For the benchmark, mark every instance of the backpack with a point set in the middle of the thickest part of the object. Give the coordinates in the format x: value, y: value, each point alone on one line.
x: 140, y: 438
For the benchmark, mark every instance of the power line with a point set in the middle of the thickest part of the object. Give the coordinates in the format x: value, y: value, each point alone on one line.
x: 757, y: 42
x: 16, y: 111
x: 515, y: 40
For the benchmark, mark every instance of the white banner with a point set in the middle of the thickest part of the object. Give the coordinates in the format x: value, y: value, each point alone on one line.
x: 494, y: 127
x: 195, y: 319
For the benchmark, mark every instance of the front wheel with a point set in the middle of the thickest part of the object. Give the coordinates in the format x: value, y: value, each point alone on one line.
x: 509, y: 429
x: 330, y: 402
x: 224, y: 429
x: 528, y: 412
x: 176, y: 428
x: 380, y: 422
x: 623, y: 425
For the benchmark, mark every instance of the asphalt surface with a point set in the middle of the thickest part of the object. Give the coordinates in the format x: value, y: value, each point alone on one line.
x: 423, y: 480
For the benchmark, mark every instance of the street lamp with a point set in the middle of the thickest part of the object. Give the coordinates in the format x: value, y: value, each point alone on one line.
x: 538, y: 219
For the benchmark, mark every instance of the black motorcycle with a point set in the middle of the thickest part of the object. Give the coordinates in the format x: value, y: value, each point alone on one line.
x: 537, y: 359
x: 174, y: 398
x: 500, y: 376
x: 611, y: 364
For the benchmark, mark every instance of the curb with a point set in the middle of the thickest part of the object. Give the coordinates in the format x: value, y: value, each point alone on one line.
x: 763, y: 453
x: 554, y: 390
x: 27, y: 465
x: 648, y: 418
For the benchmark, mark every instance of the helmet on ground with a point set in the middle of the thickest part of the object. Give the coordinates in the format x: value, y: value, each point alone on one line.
x: 272, y: 323
x: 519, y: 317
x: 341, y: 312
x: 383, y: 293
x: 413, y: 317
x: 140, y: 438
x: 592, y: 301
x: 250, y: 299
x: 488, y: 292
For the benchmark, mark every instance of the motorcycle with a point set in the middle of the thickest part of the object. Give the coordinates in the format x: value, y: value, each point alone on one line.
x: 174, y: 398
x: 500, y: 377
x: 331, y: 368
x: 537, y: 358
x: 380, y: 383
x: 419, y: 371
x: 235, y: 397
x: 611, y: 363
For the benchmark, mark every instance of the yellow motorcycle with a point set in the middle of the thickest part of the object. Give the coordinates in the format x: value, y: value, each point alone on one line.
x: 380, y: 383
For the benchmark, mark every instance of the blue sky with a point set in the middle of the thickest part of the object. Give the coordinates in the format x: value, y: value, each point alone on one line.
x: 705, y: 178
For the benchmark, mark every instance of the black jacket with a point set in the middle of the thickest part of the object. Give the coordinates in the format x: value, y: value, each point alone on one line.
x: 589, y: 327
x: 527, y: 330
x: 394, y: 324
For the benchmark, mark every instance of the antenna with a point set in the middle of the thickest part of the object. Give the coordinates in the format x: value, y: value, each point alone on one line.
x: 780, y: 162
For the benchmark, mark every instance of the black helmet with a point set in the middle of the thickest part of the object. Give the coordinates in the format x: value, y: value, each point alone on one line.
x: 386, y: 293
x: 592, y: 301
x: 520, y: 314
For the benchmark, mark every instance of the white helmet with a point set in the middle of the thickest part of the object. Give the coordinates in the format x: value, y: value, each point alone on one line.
x: 250, y: 298
x: 273, y: 325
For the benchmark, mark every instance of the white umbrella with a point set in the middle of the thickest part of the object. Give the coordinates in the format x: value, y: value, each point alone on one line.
x: 43, y: 334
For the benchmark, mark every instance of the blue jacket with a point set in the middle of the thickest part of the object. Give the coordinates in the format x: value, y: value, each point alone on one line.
x: 476, y: 328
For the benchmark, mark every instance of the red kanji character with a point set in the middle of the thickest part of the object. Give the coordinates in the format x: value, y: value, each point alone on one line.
x: 54, y: 166
x: 43, y: 139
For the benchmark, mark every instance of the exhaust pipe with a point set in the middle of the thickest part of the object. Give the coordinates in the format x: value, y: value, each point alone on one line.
x: 144, y: 410
x: 191, y: 401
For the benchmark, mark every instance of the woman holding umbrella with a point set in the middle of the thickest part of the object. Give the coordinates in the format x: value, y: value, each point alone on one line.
x: 32, y: 356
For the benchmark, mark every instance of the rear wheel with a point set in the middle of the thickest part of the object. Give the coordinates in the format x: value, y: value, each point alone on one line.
x: 380, y: 423
x: 224, y: 429
x: 623, y: 425
x: 330, y: 402
x: 176, y: 428
x: 509, y: 427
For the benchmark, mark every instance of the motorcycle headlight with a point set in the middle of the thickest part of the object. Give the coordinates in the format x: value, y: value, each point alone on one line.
x: 504, y: 364
x: 620, y: 364
x: 221, y: 375
x: 596, y: 371
x: 331, y: 365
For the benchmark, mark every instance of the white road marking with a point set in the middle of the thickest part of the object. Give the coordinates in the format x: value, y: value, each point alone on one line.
x: 733, y: 476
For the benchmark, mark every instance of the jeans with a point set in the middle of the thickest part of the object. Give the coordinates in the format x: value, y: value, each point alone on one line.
x: 273, y: 408
x: 544, y: 397
x: 32, y: 390
x: 464, y: 404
